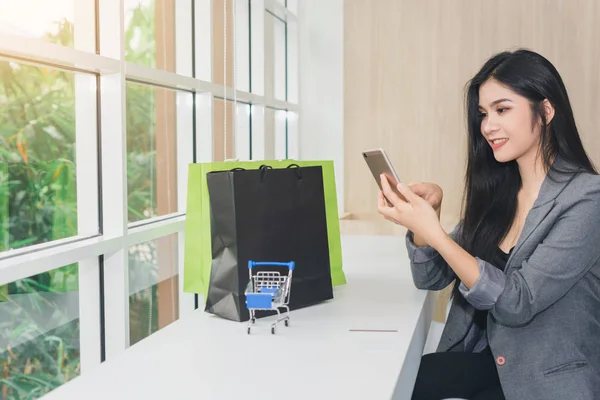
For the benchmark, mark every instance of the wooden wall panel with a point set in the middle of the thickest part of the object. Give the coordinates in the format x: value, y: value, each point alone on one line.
x: 222, y: 32
x: 406, y: 66
x: 223, y: 117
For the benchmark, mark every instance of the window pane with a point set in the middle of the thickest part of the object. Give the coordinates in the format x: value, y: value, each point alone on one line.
x: 39, y: 333
x: 242, y: 45
x: 222, y: 42
x: 242, y: 132
x: 280, y: 58
x: 276, y: 140
x: 223, y: 129
x: 292, y: 62
x: 151, y: 151
x: 281, y: 137
x: 150, y: 33
x: 153, y: 287
x: 38, y: 196
x: 52, y: 21
x: 292, y: 135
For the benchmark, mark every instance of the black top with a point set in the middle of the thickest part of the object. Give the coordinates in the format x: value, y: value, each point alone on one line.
x: 499, y: 261
x: 501, y: 258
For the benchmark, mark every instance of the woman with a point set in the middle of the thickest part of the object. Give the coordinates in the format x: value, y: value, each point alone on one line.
x: 525, y: 257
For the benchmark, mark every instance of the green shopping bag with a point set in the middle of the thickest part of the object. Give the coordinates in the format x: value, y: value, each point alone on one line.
x: 198, y: 250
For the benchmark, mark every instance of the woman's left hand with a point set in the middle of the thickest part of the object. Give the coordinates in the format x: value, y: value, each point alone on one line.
x: 416, y: 214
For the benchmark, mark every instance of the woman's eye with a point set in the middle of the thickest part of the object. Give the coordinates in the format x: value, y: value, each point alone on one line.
x: 501, y: 110
x: 482, y: 115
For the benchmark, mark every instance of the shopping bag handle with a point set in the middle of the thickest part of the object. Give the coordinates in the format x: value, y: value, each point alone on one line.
x: 298, y: 170
x: 264, y: 168
x: 263, y: 171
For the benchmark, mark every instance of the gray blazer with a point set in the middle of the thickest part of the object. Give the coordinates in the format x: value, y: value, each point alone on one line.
x: 544, y: 311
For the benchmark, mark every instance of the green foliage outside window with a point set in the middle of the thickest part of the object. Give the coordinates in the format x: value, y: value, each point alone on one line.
x: 38, y: 204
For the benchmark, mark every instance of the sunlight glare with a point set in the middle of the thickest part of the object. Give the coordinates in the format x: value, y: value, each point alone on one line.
x: 34, y: 18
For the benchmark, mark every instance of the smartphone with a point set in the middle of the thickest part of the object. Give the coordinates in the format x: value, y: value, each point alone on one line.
x: 379, y: 163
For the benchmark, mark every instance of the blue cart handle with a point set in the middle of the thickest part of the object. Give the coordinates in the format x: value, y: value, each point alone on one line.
x: 290, y: 265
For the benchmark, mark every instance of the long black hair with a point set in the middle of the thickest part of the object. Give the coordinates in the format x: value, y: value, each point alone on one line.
x: 491, y: 187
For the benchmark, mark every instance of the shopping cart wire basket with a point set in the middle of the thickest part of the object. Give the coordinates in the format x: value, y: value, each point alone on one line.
x: 269, y: 290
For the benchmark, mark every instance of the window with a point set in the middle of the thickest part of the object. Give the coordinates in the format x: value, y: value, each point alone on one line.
x: 243, y: 138
x: 281, y: 134
x: 242, y: 45
x: 222, y: 45
x: 153, y: 287
x: 52, y: 21
x: 280, y: 57
x: 68, y: 23
x: 38, y: 169
x: 39, y: 333
x: 292, y: 61
x: 282, y: 50
x: 152, y: 150
x: 281, y: 47
x: 151, y: 35
x: 95, y: 144
x: 235, y: 143
x: 224, y: 138
x: 292, y: 135
x: 282, y: 130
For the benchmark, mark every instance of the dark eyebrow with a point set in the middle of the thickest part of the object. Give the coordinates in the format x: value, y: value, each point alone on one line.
x: 493, y: 103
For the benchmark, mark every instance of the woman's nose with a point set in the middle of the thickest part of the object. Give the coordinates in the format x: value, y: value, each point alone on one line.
x: 489, y: 126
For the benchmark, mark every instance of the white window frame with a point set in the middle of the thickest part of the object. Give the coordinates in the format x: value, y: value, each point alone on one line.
x: 112, y: 74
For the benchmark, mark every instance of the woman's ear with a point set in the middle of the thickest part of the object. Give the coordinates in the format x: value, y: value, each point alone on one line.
x: 548, y: 110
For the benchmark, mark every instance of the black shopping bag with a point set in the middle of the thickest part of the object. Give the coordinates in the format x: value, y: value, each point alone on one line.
x: 267, y: 215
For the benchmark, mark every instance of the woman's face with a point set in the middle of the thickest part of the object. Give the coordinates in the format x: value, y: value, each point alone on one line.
x: 506, y: 123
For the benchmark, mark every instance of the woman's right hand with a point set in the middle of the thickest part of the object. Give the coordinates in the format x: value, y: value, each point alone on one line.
x: 433, y: 194
x: 429, y: 191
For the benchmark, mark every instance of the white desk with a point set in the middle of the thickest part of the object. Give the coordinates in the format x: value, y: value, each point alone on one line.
x: 317, y: 357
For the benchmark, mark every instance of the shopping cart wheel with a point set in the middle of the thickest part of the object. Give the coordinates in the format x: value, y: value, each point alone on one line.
x: 273, y: 330
x: 287, y: 322
x: 248, y: 330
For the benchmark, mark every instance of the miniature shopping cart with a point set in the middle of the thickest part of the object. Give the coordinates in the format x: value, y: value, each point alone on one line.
x: 269, y: 290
